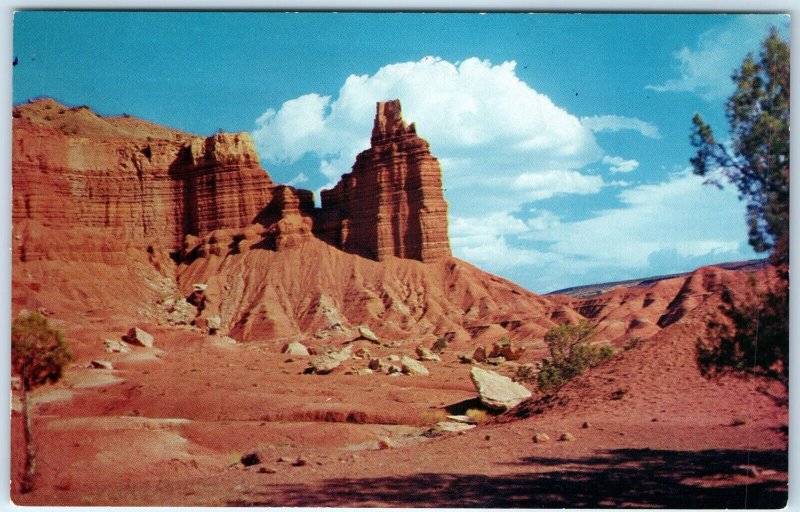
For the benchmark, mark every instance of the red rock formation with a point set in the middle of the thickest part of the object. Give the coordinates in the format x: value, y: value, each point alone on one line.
x: 74, y: 169
x: 134, y: 183
x: 391, y: 204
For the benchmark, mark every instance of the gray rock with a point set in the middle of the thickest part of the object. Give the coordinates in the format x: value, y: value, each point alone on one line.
x: 541, y: 437
x: 425, y: 354
x: 412, y: 367
x: 214, y: 324
x: 452, y: 426
x: 101, y: 364
x: 496, y: 391
x: 116, y: 346
x: 295, y: 348
x: 366, y: 333
x: 461, y: 418
x: 139, y: 337
x: 326, y: 363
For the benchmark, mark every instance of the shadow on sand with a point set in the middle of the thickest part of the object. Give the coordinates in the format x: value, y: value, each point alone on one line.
x: 616, y: 478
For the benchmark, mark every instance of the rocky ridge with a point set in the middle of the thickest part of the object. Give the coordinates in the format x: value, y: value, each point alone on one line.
x: 127, y: 182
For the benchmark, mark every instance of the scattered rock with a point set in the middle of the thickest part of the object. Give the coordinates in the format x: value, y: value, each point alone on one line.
x: 199, y: 287
x: 487, y: 437
x: 214, y: 324
x: 301, y: 461
x: 250, y: 459
x: 479, y: 355
x: 738, y: 422
x: 284, y: 458
x: 496, y: 391
x: 452, y: 426
x: 295, y: 348
x: 267, y: 470
x: 376, y: 364
x: 541, y: 437
x: 366, y: 333
x: 425, y: 354
x: 461, y: 418
x: 566, y: 436
x: 328, y: 362
x: 385, y: 443
x: 393, y: 369
x: 101, y: 364
x: 412, y: 367
x: 139, y: 337
x: 586, y: 424
x: 393, y: 358
x: 496, y: 360
x: 116, y: 346
x: 363, y: 371
x: 466, y: 359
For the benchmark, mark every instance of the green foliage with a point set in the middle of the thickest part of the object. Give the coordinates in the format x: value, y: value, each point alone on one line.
x: 757, y: 162
x: 439, y: 345
x: 570, y: 353
x: 753, y: 338
x: 633, y: 343
x: 38, y: 352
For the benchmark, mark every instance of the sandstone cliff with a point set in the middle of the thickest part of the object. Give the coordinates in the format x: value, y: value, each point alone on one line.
x: 74, y: 169
x: 391, y: 204
x: 132, y: 183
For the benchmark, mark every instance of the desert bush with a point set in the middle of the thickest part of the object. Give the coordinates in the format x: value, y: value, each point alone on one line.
x: 571, y: 353
x: 633, y: 343
x: 477, y: 415
x: 439, y: 345
x: 38, y: 355
x: 430, y: 417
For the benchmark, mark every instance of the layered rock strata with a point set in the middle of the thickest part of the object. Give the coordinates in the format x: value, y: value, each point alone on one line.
x: 391, y: 204
x: 136, y: 190
x: 126, y: 182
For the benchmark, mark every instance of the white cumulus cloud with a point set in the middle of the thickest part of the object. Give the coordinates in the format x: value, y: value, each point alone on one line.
x: 611, y: 123
x: 705, y: 68
x: 546, y: 184
x: 485, y: 125
x: 618, y: 164
x: 679, y: 214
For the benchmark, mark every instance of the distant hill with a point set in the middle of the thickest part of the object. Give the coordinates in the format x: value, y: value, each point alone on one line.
x: 592, y: 290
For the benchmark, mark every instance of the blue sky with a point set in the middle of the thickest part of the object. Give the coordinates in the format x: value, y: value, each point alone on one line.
x: 564, y: 138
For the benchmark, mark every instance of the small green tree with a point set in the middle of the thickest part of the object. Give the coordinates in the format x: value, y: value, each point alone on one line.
x: 755, y: 337
x: 571, y: 353
x: 38, y: 355
x: 757, y: 161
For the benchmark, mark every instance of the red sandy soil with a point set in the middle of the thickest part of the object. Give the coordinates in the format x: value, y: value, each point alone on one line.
x: 168, y: 425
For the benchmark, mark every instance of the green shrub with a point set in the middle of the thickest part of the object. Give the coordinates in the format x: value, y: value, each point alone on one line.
x: 39, y: 355
x: 570, y: 353
x: 439, y: 345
